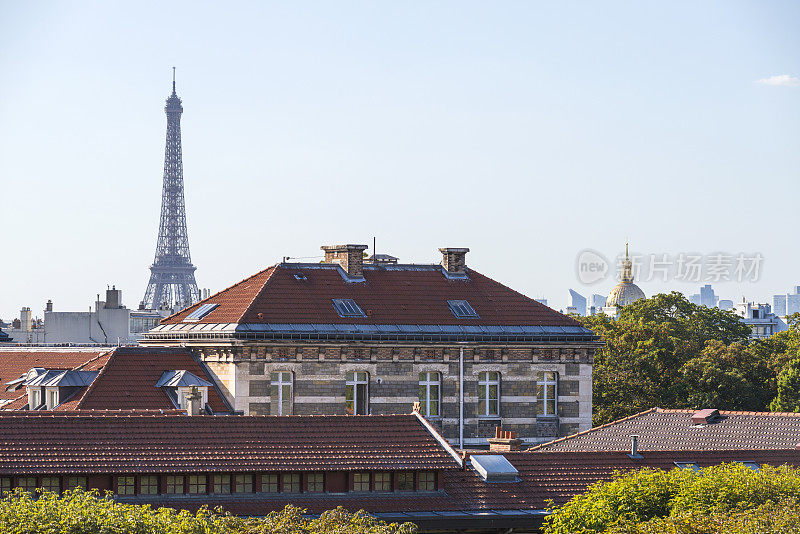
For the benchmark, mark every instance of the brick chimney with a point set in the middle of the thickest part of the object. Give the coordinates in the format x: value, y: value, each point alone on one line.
x: 703, y: 417
x: 454, y: 260
x: 350, y: 257
x: 504, y: 441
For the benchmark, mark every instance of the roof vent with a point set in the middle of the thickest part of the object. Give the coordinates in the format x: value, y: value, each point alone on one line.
x: 634, y: 455
x: 703, y: 417
x: 494, y: 468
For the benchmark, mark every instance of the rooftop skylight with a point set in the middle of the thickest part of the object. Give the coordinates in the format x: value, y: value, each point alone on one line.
x: 494, y: 468
x: 462, y: 309
x: 347, y: 308
x: 199, y: 313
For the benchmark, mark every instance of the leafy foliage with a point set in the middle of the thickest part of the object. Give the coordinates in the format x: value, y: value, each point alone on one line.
x: 665, y: 351
x: 85, y: 512
x: 788, y: 399
x: 724, y: 498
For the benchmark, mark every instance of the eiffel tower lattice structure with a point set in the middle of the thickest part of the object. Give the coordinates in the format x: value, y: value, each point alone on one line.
x: 172, y: 280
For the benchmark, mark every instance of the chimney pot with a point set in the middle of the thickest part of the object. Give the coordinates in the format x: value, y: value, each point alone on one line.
x: 504, y: 441
x: 454, y: 260
x: 497, y: 432
x: 350, y: 257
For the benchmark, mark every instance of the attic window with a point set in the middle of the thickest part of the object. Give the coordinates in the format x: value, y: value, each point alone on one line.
x: 752, y: 465
x: 347, y: 308
x: 494, y: 468
x: 301, y: 277
x: 687, y: 465
x: 462, y: 309
x: 199, y: 313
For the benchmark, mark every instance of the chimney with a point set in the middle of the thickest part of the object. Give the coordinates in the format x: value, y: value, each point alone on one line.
x: 193, y: 402
x: 25, y: 319
x: 113, y: 298
x: 703, y: 417
x: 350, y: 257
x: 49, y: 306
x: 454, y: 260
x: 634, y: 455
x: 504, y: 441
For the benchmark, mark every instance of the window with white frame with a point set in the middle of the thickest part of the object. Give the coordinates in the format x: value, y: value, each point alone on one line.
x: 489, y: 394
x: 357, y: 393
x: 281, y: 384
x: 185, y: 392
x: 547, y: 393
x: 52, y: 398
x: 429, y: 393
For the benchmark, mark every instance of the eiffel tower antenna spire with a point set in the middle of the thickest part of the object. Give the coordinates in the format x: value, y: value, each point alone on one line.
x: 172, y: 280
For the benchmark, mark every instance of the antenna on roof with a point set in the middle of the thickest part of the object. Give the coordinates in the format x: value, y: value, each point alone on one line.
x: 173, y: 80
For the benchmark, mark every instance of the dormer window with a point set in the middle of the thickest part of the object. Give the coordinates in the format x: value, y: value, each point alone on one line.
x: 462, y: 309
x: 48, y: 388
x: 347, y: 308
x: 179, y: 384
x: 199, y: 313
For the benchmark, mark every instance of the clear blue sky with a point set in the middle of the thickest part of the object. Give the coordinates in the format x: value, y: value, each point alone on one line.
x: 526, y: 131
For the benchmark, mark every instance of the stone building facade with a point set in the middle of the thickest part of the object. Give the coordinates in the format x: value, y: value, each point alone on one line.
x: 349, y: 336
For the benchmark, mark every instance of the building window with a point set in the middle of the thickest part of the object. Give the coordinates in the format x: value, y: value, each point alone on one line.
x: 222, y: 484
x: 27, y: 483
x: 269, y: 483
x: 37, y: 399
x: 489, y: 394
x: 462, y: 309
x: 197, y: 484
x: 51, y: 484
x: 243, y: 483
x: 347, y: 308
x: 546, y: 392
x: 76, y: 482
x: 316, y: 482
x: 281, y: 393
x: 429, y: 387
x: 383, y: 481
x: 148, y: 485
x: 5, y: 485
x: 357, y: 393
x: 360, y: 481
x: 290, y: 483
x: 126, y: 485
x: 405, y: 481
x: 427, y: 481
x: 52, y: 399
x: 174, y: 483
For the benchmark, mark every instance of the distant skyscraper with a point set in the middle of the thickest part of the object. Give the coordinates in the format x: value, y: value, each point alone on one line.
x: 707, y: 296
x: 598, y: 301
x: 787, y: 304
x: 577, y: 302
x: 695, y: 299
x: 172, y: 273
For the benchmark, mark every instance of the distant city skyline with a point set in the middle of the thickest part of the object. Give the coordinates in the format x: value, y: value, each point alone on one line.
x: 528, y: 133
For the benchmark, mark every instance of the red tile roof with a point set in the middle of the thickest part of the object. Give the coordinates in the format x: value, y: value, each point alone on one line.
x: 128, y: 381
x: 16, y: 362
x: 97, y: 442
x: 388, y: 295
x: 666, y: 429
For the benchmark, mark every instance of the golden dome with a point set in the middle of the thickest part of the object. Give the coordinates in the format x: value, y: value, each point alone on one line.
x: 626, y: 292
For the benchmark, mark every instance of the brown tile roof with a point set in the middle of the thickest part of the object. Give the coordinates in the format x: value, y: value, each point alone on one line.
x: 16, y: 362
x: 97, y: 442
x: 128, y: 380
x: 662, y: 429
x: 558, y: 476
x: 388, y: 295
x: 562, y: 475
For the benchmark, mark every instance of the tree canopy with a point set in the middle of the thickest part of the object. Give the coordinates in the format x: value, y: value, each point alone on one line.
x: 665, y: 351
x: 86, y: 512
x: 728, y: 498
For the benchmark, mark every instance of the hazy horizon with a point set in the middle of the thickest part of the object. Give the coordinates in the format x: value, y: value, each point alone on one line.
x: 528, y: 132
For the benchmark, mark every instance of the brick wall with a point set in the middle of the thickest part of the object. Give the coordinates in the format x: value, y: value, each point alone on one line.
x: 318, y: 371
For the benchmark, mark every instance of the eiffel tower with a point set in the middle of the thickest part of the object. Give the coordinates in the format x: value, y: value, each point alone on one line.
x: 172, y: 273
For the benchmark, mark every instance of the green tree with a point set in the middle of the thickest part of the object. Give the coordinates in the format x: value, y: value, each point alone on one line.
x: 683, y: 500
x: 657, y: 353
x: 788, y: 399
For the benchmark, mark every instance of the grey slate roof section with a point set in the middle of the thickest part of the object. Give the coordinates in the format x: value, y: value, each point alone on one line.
x: 63, y: 379
x: 181, y: 378
x: 382, y: 332
x: 662, y: 430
